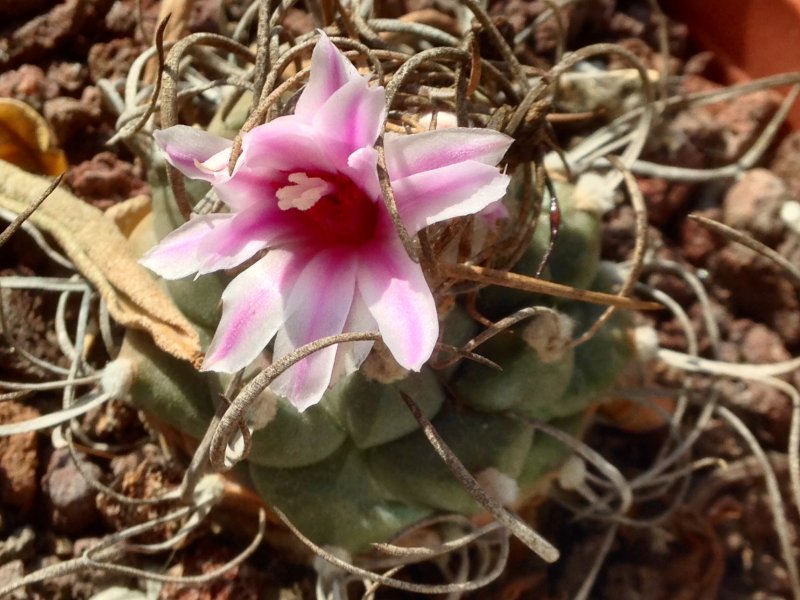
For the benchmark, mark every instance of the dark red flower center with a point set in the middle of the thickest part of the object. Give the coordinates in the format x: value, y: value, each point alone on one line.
x: 333, y: 209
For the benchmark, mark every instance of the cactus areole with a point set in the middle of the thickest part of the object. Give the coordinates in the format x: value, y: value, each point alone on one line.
x: 306, y: 209
x: 306, y: 187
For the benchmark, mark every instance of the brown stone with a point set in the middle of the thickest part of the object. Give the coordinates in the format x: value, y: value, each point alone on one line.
x: 18, y: 459
x: 753, y: 204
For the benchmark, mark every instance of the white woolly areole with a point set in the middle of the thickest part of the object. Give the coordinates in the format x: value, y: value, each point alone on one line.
x: 593, y: 194
x: 549, y: 334
x: 261, y: 412
x: 209, y: 489
x: 500, y: 487
x: 305, y: 192
x: 572, y: 475
x: 117, y: 378
x: 790, y: 214
x: 645, y: 339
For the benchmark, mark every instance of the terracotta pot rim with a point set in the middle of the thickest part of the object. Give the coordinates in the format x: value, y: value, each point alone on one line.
x: 749, y: 38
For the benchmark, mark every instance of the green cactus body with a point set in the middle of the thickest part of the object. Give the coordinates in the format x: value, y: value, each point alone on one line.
x: 293, y: 439
x: 373, y: 413
x: 526, y: 384
x: 412, y: 472
x: 167, y: 387
x: 356, y: 468
x: 573, y: 261
x: 547, y: 453
x: 336, y: 501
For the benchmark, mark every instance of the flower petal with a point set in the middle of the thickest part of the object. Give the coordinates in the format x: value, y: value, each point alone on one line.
x: 330, y: 70
x: 494, y: 212
x: 351, y: 118
x: 238, y: 239
x: 349, y: 356
x: 362, y: 168
x: 176, y: 256
x: 186, y: 148
x: 244, y: 190
x: 283, y: 145
x: 321, y: 301
x: 410, y: 154
x: 253, y: 308
x: 397, y: 295
x: 461, y: 189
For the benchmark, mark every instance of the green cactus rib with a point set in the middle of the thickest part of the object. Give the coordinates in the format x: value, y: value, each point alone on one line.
x: 372, y: 412
x: 336, y: 501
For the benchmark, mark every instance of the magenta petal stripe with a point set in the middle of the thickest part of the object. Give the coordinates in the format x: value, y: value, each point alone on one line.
x: 176, y: 256
x: 320, y: 301
x: 330, y: 70
x: 448, y: 192
x: 396, y: 293
x: 253, y: 308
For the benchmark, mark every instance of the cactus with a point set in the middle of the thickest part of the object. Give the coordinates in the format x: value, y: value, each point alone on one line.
x: 356, y: 468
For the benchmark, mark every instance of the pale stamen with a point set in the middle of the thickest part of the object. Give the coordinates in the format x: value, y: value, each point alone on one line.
x: 305, y: 192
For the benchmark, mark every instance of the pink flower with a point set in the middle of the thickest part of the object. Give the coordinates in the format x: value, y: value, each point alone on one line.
x: 306, y: 187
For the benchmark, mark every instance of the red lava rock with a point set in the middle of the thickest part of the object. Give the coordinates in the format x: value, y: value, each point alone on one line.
x: 786, y: 163
x: 71, y: 497
x: 112, y: 60
x: 664, y: 199
x: 757, y: 289
x: 690, y: 140
x: 19, y: 459
x: 742, y: 120
x: 761, y: 345
x: 714, y: 134
x: 142, y: 474
x: 520, y: 13
x: 698, y: 242
x: 71, y: 77
x: 69, y: 117
x: 240, y: 583
x: 28, y: 84
x: 627, y: 25
x: 105, y: 179
x: 121, y: 17
x: 44, y: 35
x: 768, y: 409
x: 204, y: 16
x: 753, y: 204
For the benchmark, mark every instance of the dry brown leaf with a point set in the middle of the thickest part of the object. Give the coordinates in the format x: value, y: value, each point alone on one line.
x: 26, y: 139
x: 129, y: 213
x: 102, y: 254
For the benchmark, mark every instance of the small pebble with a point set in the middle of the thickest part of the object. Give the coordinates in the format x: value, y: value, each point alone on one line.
x: 71, y: 497
x: 753, y: 204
